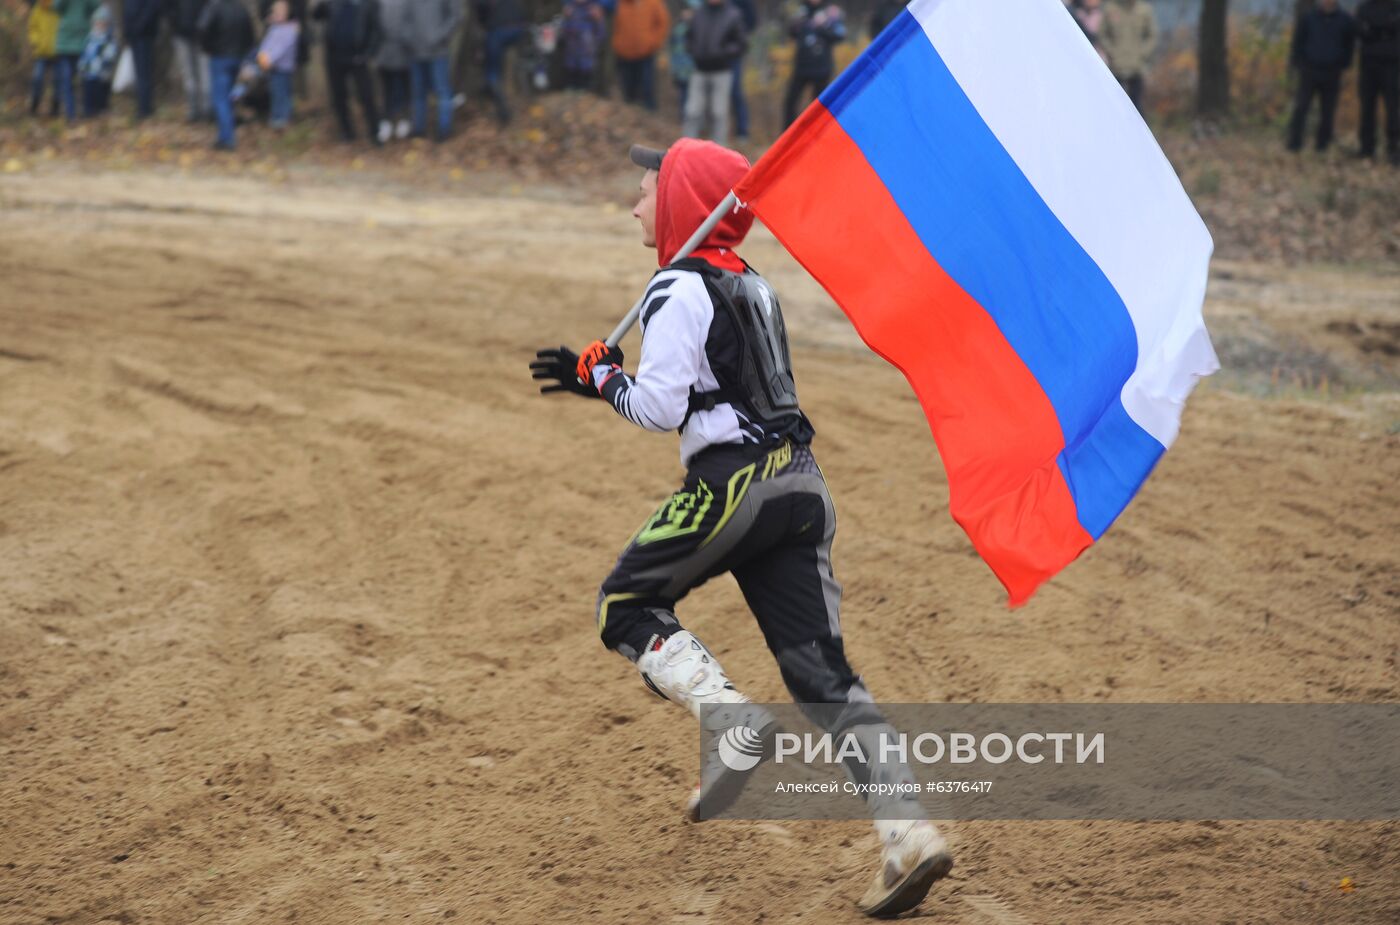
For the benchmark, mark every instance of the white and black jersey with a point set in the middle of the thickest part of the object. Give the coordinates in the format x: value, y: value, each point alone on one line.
x: 687, y: 346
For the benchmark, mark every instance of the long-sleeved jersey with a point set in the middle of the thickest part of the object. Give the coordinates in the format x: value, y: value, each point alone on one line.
x: 684, y: 341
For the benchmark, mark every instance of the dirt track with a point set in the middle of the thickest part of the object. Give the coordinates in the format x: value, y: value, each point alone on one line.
x: 296, y: 618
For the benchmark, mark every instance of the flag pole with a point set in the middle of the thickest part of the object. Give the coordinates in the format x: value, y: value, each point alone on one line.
x: 701, y: 233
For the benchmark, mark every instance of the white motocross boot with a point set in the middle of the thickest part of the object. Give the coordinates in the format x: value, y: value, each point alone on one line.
x: 682, y: 670
x: 913, y: 856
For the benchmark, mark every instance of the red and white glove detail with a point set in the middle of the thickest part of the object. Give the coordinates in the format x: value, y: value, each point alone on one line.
x: 598, y: 363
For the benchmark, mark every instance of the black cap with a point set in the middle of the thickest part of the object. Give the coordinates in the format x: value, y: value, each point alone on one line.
x: 650, y: 158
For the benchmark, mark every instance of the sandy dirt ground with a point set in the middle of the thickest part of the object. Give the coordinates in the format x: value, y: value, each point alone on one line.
x: 296, y: 615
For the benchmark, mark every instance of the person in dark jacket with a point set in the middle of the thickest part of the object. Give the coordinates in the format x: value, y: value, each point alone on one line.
x: 193, y: 63
x: 226, y: 35
x: 504, y: 22
x: 715, y: 40
x: 140, y: 26
x: 884, y: 13
x: 816, y: 29
x: 738, y: 102
x: 353, y: 35
x: 1378, y: 27
x: 1323, y: 43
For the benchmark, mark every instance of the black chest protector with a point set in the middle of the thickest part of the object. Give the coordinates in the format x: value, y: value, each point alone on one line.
x: 760, y: 384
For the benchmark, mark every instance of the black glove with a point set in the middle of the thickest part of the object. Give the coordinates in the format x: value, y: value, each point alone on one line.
x: 559, y: 368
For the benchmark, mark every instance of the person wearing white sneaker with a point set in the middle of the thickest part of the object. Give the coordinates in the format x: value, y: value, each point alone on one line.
x: 715, y: 366
x: 393, y: 61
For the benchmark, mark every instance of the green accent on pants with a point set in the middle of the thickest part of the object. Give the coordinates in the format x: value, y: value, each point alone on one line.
x: 680, y: 515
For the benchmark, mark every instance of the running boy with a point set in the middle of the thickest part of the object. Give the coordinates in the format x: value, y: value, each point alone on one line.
x: 715, y: 367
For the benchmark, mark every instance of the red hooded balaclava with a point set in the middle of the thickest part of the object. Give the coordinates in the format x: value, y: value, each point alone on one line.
x: 695, y: 176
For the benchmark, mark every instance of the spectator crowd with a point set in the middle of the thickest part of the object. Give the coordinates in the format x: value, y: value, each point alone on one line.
x: 386, y: 60
x: 394, y: 50
x: 390, y: 57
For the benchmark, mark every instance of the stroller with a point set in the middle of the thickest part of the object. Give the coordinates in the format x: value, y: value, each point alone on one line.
x: 251, y: 96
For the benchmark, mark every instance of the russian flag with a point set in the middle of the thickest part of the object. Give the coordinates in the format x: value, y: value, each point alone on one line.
x: 985, y: 204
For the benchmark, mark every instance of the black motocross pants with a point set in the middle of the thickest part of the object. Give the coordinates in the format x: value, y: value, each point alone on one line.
x: 764, y: 514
